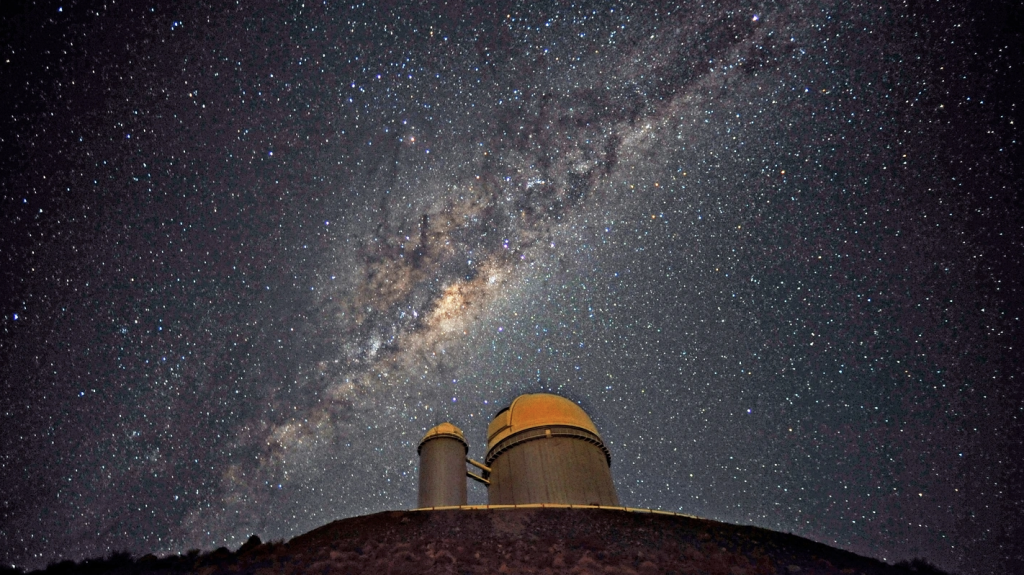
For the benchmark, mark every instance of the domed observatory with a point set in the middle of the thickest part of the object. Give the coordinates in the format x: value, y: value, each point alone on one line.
x: 442, y: 454
x: 545, y: 449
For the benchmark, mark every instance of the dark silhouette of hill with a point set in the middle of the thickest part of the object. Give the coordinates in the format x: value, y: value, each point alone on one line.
x: 521, y: 540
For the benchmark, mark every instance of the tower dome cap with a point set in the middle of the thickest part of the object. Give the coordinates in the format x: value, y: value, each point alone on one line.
x: 444, y: 430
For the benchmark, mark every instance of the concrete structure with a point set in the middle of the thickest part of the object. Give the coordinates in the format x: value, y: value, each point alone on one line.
x: 443, y: 467
x: 545, y: 449
x: 542, y: 449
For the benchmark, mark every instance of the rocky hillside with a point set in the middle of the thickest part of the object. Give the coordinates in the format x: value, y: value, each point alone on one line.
x: 530, y: 540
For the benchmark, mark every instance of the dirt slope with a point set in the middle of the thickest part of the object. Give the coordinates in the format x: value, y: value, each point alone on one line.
x: 546, y: 541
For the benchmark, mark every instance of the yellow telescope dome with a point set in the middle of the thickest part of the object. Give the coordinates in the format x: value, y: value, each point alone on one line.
x: 537, y: 410
x: 545, y: 449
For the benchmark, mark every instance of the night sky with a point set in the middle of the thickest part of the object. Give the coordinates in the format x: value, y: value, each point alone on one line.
x: 251, y: 253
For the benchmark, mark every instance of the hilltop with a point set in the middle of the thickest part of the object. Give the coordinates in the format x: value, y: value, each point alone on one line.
x: 519, y: 540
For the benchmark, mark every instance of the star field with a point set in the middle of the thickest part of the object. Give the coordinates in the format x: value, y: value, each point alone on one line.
x: 252, y: 253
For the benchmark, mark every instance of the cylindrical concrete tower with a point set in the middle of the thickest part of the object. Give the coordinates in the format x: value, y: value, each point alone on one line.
x: 545, y: 449
x: 443, y: 467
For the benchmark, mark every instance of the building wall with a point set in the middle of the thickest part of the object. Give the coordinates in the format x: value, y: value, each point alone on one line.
x: 552, y: 470
x: 442, y: 473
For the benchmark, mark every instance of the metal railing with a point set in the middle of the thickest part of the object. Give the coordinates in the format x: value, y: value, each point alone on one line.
x: 556, y: 506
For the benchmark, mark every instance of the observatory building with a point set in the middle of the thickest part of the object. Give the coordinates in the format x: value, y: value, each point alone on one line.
x: 541, y: 449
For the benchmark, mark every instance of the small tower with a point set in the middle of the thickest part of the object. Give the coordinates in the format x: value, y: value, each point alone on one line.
x: 545, y: 449
x: 443, y: 467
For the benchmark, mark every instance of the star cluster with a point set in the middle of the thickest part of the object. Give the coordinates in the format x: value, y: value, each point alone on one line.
x: 252, y: 253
